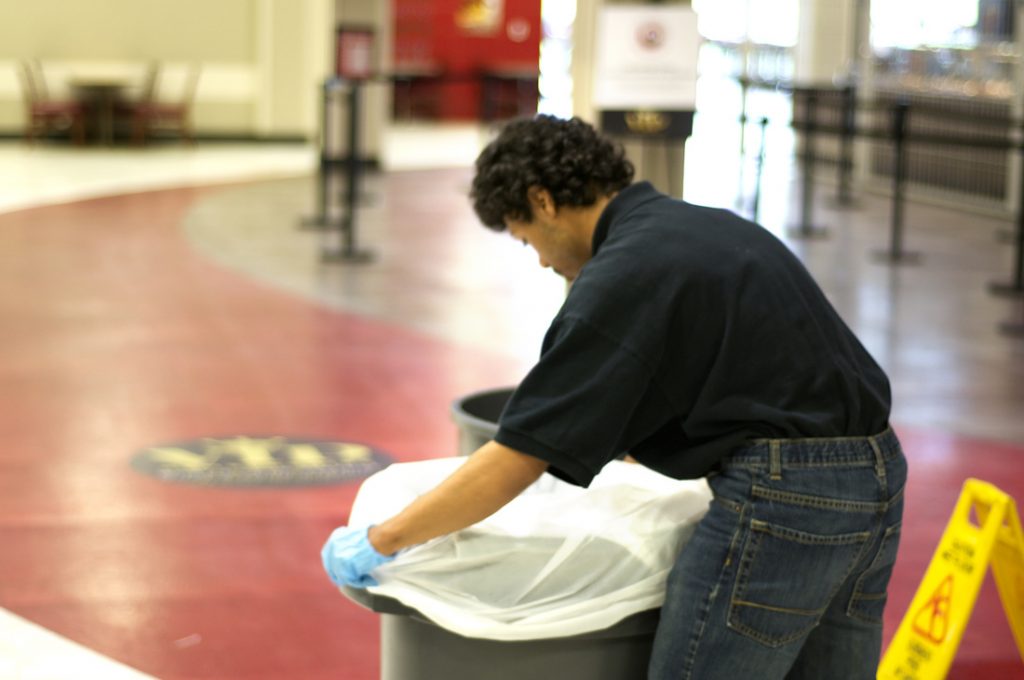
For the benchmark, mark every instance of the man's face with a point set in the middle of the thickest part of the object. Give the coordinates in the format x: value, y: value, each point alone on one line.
x: 556, y: 246
x: 560, y: 242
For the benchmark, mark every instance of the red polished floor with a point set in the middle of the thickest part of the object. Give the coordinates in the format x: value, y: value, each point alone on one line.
x: 119, y: 335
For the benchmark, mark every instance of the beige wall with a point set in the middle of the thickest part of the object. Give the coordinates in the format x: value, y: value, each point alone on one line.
x: 262, y: 60
x: 115, y: 29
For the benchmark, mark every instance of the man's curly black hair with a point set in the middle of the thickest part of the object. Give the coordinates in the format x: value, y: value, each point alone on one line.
x: 569, y: 158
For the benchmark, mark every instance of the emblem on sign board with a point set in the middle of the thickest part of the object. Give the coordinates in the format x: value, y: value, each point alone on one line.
x: 650, y: 35
x: 482, y: 17
x: 647, y: 122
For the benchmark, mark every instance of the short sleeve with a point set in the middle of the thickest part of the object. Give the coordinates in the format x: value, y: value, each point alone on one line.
x: 586, y: 401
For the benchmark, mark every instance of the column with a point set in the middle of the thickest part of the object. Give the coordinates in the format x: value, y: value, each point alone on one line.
x: 824, y: 47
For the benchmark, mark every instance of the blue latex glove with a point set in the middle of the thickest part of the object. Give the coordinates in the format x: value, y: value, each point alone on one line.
x: 349, y: 557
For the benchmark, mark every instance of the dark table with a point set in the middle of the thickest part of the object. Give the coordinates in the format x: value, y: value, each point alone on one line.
x: 101, y: 94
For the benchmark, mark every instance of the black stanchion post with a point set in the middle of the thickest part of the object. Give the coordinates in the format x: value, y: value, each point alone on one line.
x: 760, y: 170
x: 1018, y: 277
x: 744, y: 86
x: 327, y: 165
x: 1016, y: 286
x: 896, y: 253
x: 844, y: 198
x: 898, y: 179
x: 806, y: 228
x: 349, y: 252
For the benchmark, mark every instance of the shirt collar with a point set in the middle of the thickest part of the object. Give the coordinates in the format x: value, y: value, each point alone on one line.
x: 621, y: 204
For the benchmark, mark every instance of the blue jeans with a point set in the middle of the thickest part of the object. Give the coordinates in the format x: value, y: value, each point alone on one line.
x: 786, y: 575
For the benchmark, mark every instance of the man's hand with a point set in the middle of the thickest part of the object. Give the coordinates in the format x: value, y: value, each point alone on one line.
x: 349, y: 557
x: 490, y: 478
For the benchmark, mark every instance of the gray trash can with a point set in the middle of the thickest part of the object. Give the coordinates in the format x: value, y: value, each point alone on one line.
x: 414, y: 648
x: 477, y: 417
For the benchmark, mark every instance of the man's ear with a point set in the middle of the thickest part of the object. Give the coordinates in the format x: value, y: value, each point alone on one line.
x: 541, y: 201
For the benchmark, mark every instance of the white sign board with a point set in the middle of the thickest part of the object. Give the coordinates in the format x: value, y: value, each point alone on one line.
x: 646, y: 58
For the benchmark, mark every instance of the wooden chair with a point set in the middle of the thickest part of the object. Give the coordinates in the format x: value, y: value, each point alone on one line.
x: 45, y: 115
x: 150, y: 112
x: 146, y: 92
x: 125, y: 108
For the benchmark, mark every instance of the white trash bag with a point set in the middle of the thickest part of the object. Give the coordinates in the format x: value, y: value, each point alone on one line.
x: 559, y: 560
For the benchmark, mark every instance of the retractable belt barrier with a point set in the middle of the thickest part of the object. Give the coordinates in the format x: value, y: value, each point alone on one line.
x: 350, y: 164
x: 1009, y: 136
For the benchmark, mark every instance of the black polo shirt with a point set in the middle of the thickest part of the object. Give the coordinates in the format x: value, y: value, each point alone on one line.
x: 690, y: 331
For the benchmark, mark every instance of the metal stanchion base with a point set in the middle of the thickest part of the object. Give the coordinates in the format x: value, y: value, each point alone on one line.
x: 839, y: 203
x: 807, y: 232
x: 1006, y: 289
x: 889, y: 257
x: 319, y: 223
x: 1012, y: 328
x: 354, y: 256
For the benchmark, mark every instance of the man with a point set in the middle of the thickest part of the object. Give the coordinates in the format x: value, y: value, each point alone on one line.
x: 696, y: 342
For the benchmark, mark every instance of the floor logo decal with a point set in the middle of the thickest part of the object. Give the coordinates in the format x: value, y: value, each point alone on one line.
x: 260, y: 461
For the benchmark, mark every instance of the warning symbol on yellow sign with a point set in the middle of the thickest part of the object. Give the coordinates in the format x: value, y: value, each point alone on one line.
x: 984, y: 531
x: 932, y: 620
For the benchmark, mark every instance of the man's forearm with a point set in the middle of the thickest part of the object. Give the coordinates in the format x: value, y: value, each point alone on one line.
x: 486, y: 482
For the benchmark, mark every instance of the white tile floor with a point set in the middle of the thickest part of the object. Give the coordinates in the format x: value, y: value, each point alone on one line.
x: 54, y: 173
x: 50, y: 173
x: 29, y: 652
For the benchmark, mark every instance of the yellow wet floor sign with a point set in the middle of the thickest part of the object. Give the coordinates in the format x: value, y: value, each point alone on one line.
x: 984, y: 530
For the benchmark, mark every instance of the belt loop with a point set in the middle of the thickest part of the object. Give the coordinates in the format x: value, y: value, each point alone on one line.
x: 774, y: 460
x: 879, y: 458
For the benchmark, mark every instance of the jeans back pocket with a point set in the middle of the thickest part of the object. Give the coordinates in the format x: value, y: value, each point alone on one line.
x: 787, y: 578
x: 869, y: 595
